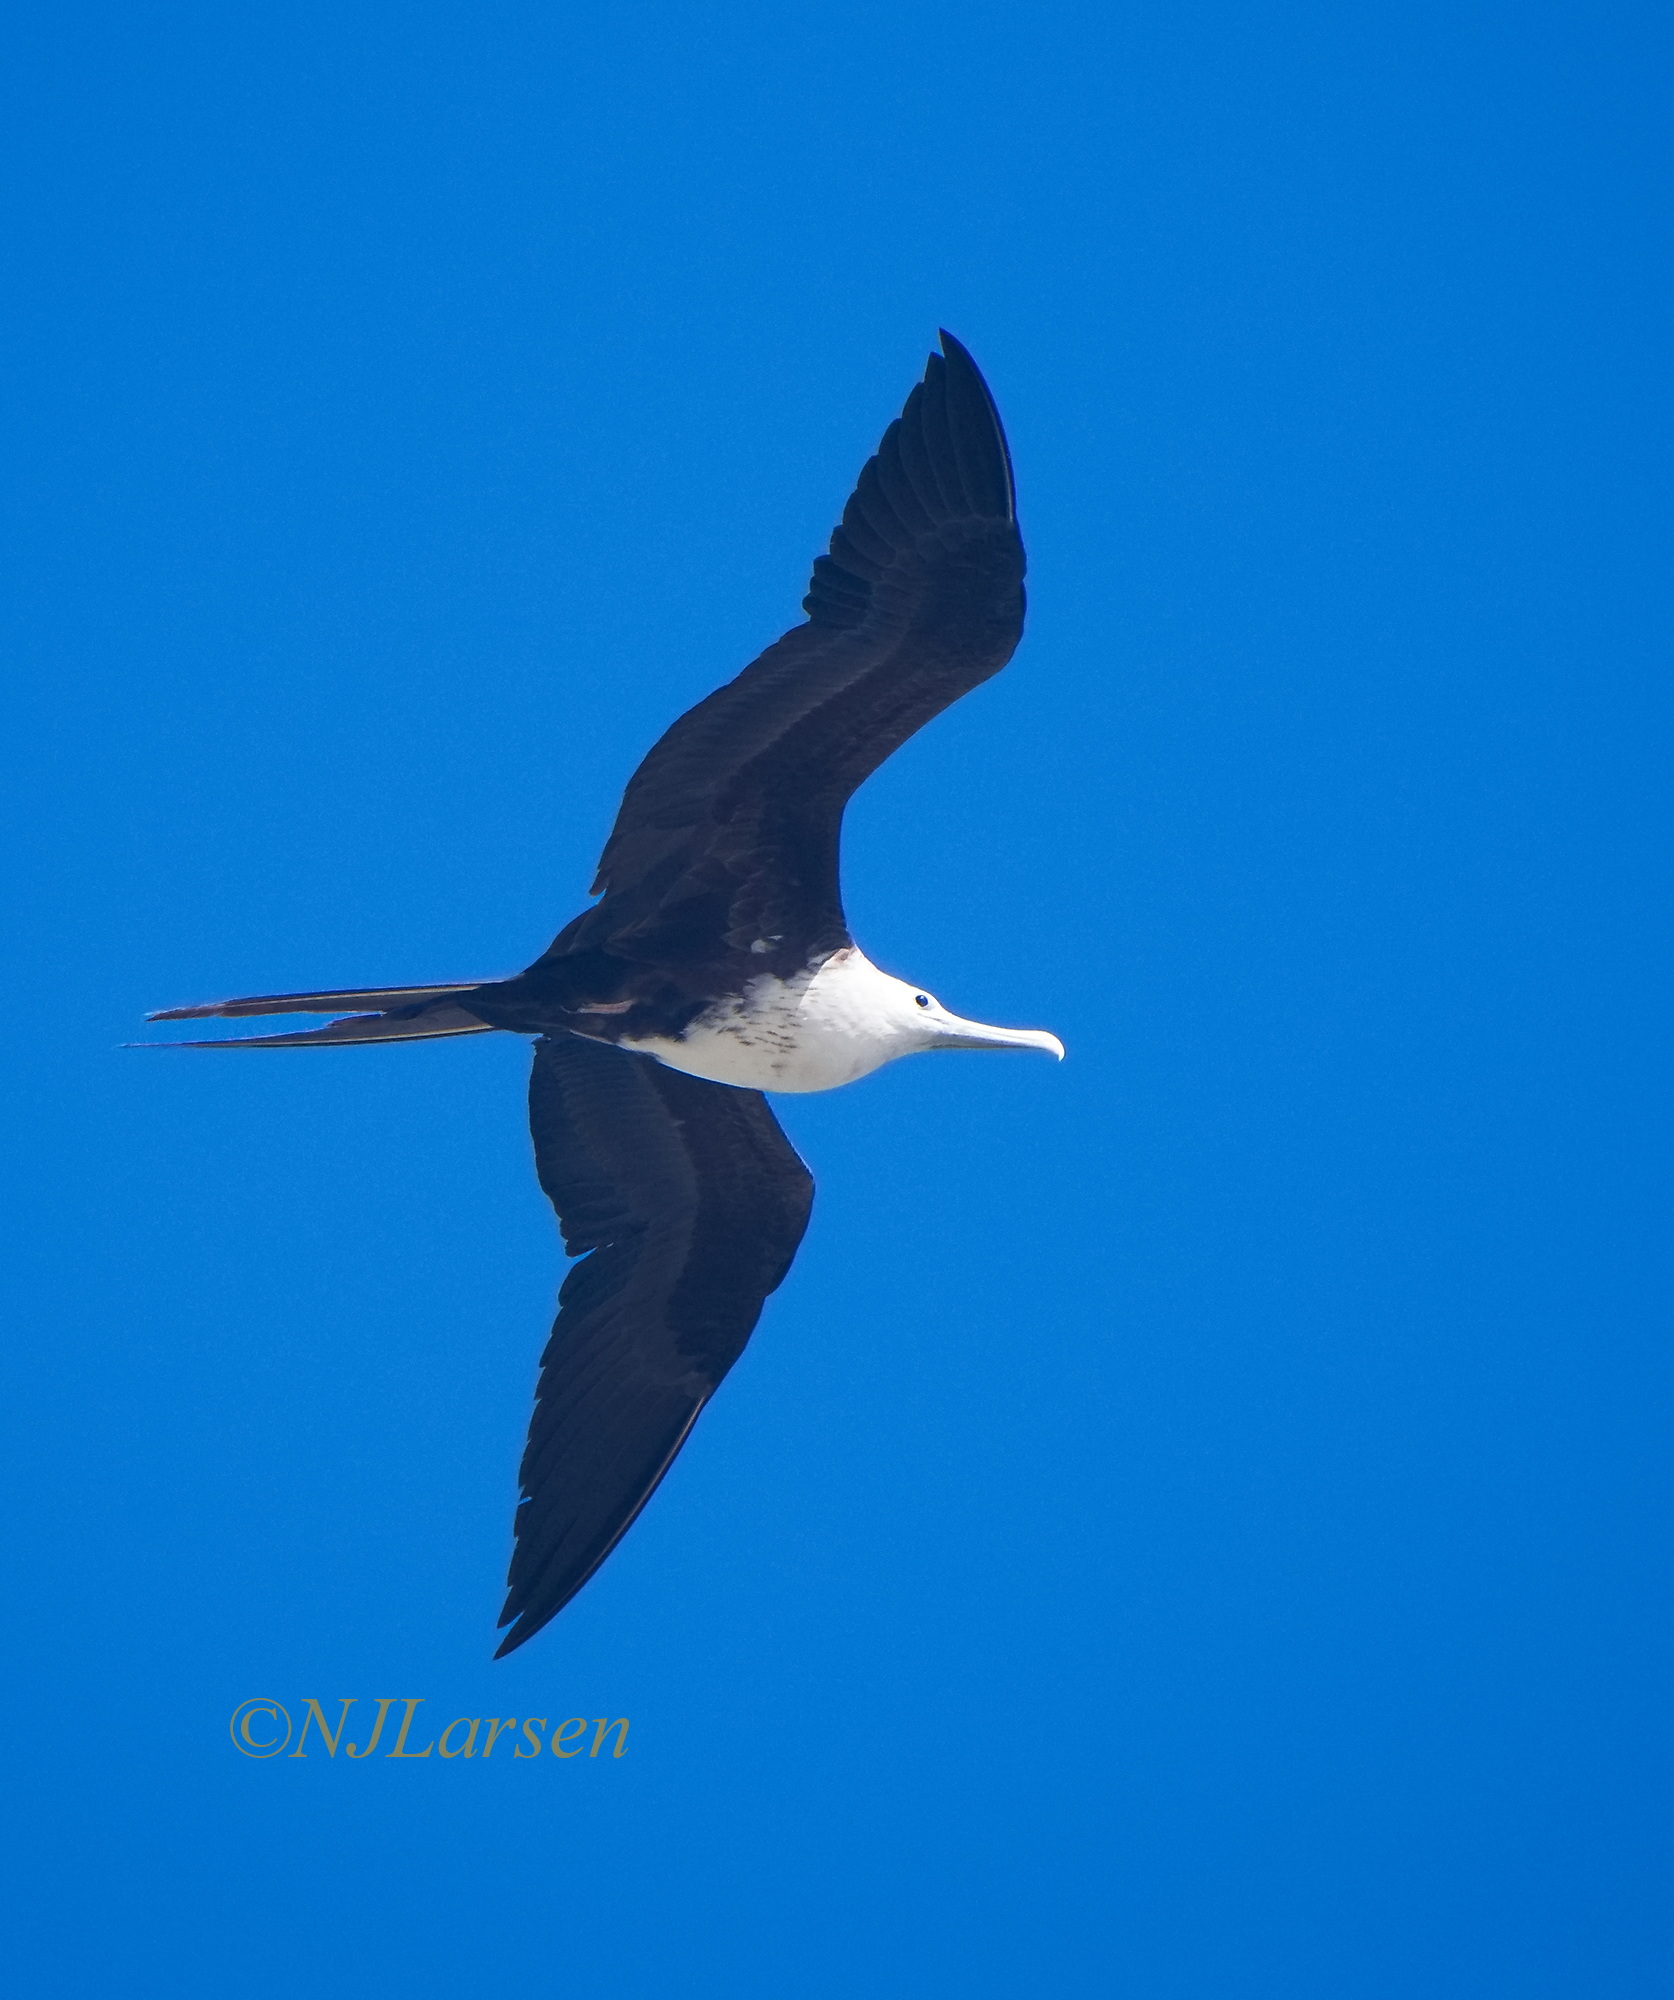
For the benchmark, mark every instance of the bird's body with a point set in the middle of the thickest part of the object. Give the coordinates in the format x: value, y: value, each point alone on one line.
x: 717, y: 964
x: 830, y: 1024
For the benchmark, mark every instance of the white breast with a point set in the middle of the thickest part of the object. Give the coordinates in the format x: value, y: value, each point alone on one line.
x: 817, y: 1031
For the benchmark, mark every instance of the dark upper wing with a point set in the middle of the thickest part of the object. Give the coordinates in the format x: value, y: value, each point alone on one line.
x: 691, y: 1203
x: 728, y: 832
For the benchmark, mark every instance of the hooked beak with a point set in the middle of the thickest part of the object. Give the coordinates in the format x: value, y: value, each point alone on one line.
x: 976, y: 1035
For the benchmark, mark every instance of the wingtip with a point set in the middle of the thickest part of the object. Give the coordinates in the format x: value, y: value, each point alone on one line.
x: 522, y: 1628
x: 959, y: 356
x: 955, y: 351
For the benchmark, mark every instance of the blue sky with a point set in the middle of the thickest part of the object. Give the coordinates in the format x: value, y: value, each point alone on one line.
x: 1196, y: 1522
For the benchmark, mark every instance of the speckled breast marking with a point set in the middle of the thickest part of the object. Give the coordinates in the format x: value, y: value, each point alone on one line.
x: 812, y: 1032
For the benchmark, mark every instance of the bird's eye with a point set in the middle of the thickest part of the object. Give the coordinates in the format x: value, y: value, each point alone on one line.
x: 921, y: 999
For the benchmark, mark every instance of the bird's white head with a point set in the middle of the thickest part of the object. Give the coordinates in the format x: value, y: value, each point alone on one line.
x: 904, y: 1020
x: 936, y: 1028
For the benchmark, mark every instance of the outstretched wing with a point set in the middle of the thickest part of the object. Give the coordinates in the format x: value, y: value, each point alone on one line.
x: 727, y: 837
x: 689, y: 1203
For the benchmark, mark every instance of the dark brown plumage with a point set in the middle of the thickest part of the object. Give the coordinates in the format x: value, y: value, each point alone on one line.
x: 686, y: 1203
x: 683, y: 1198
x: 728, y: 833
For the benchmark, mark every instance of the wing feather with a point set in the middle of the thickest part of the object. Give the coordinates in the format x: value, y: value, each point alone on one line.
x: 685, y: 1203
x: 729, y: 830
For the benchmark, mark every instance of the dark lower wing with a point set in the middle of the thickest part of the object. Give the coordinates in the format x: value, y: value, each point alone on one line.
x: 689, y: 1203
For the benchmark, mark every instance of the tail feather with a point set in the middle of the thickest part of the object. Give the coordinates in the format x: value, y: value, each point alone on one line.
x: 381, y: 997
x: 404, y: 1014
x: 420, y: 1024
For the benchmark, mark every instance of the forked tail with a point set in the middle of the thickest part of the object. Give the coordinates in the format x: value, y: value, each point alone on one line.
x: 403, y: 1014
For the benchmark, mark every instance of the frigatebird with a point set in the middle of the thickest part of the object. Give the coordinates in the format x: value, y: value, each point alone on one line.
x: 717, y: 964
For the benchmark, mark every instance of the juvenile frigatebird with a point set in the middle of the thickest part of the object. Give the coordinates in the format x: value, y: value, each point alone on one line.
x: 717, y: 964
